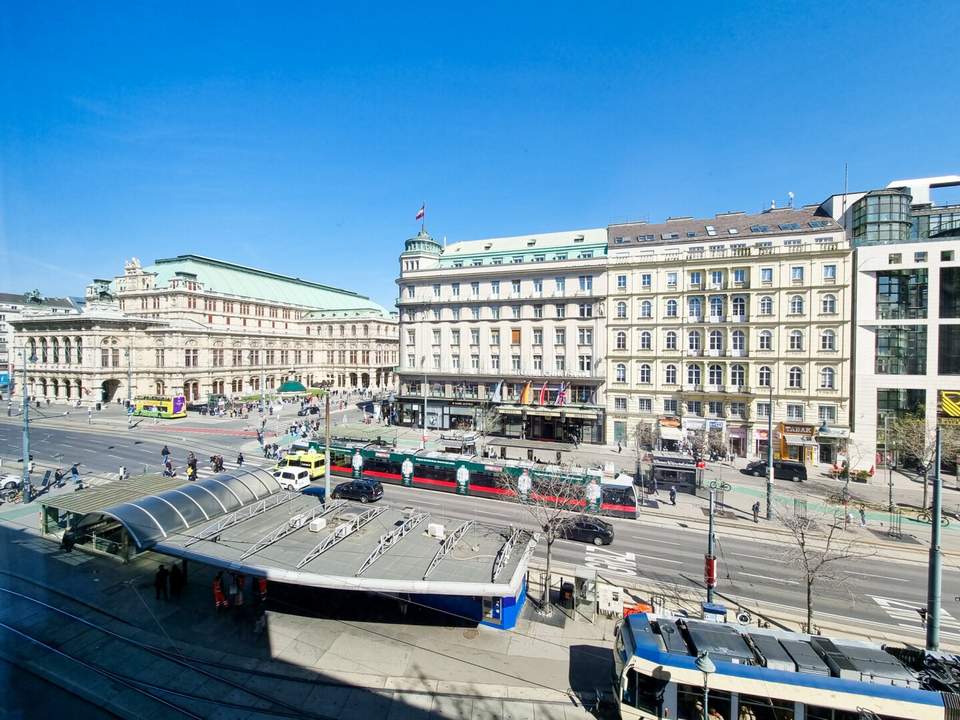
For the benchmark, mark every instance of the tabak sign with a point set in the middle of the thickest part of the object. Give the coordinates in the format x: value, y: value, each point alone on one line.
x: 948, y: 407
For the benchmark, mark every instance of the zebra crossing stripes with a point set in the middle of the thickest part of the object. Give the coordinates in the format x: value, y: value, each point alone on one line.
x: 905, y: 614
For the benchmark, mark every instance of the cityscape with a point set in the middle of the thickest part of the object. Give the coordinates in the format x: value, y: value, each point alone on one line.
x: 279, y: 437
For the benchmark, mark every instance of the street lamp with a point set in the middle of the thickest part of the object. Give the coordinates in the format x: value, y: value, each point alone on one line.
x: 27, y: 489
x: 706, y: 666
x: 769, y: 512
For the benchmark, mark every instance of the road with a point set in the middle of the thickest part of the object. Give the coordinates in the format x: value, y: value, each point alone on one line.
x: 875, y: 589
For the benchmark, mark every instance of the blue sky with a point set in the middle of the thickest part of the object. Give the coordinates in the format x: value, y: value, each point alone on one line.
x: 303, y: 139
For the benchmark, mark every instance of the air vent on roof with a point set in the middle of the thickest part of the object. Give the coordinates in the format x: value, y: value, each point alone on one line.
x: 679, y: 218
x: 730, y: 213
x: 487, y: 246
x: 578, y: 239
x: 531, y: 242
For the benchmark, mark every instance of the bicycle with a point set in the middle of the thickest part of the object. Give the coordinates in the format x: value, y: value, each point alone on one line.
x: 720, y: 485
x: 925, y: 516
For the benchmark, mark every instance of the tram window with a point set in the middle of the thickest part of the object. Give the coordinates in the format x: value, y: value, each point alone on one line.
x: 484, y: 479
x: 644, y: 692
x: 619, y: 496
x: 753, y: 707
x: 690, y: 704
x: 812, y: 712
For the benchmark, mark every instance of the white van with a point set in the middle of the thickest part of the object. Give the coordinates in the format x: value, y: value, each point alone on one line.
x: 292, y: 478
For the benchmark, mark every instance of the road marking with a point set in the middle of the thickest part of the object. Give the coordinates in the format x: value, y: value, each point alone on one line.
x: 600, y: 558
x: 767, y: 577
x: 660, y: 559
x: 757, y: 557
x: 880, y: 577
x: 905, y: 610
x: 654, y: 540
x: 118, y: 457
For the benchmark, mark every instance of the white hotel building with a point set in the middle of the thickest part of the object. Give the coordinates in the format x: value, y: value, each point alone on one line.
x: 526, y: 311
x: 709, y: 320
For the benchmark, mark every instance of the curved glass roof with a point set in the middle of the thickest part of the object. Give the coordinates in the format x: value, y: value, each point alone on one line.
x: 153, y: 518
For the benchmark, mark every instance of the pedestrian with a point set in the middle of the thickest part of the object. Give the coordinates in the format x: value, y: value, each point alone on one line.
x: 232, y: 590
x: 262, y: 589
x: 239, y: 460
x: 619, y: 448
x: 863, y: 516
x: 75, y: 474
x: 89, y: 416
x: 656, y: 489
x: 122, y: 475
x: 240, y: 580
x: 165, y: 454
x: 673, y: 495
x: 219, y: 601
x: 160, y: 582
x: 176, y: 581
x: 756, y: 511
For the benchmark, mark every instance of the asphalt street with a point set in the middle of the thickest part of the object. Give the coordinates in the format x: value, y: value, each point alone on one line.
x: 875, y: 589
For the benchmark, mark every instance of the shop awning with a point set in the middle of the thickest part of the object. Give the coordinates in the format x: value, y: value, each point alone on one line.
x: 509, y: 410
x: 543, y: 412
x: 800, y: 440
x: 671, y: 433
x: 578, y: 413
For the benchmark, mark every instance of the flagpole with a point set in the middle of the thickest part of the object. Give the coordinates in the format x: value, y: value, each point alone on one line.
x: 423, y: 219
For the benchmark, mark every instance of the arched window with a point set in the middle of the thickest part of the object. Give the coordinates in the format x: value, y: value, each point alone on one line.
x: 716, y: 306
x: 670, y: 375
x: 763, y: 376
x: 646, y: 340
x: 78, y: 344
x: 621, y: 340
x: 671, y: 308
x: 693, y: 374
x: 644, y: 374
x: 796, y: 305
x: 33, y: 347
x: 738, y: 375
x: 716, y: 340
x: 715, y: 375
x: 670, y: 340
x: 353, y: 330
x: 646, y: 309
x: 693, y: 341
x: 621, y: 372
x: 695, y: 306
x: 55, y: 344
x: 796, y: 340
x: 43, y: 350
x: 739, y: 307
x: 766, y: 305
x: 366, y: 329
x: 829, y: 304
x: 765, y: 340
x: 621, y: 310
x: 828, y: 378
x: 738, y: 340
x: 828, y: 340
x: 67, y: 351
x: 795, y: 377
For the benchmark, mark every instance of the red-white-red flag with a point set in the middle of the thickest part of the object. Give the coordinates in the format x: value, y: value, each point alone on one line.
x: 421, y: 212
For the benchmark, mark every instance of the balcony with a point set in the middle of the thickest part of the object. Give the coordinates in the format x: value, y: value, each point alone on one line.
x: 737, y: 319
x: 716, y: 318
x: 738, y: 353
x: 691, y: 387
x: 695, y: 318
x: 714, y: 353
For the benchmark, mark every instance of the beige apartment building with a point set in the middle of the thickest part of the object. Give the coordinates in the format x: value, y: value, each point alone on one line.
x: 202, y: 327
x: 505, y: 335
x: 711, y: 321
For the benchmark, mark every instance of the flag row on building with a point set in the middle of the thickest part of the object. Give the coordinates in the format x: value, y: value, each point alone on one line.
x: 559, y: 396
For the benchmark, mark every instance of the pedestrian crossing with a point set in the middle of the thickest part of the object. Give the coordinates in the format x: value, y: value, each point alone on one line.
x: 905, y: 614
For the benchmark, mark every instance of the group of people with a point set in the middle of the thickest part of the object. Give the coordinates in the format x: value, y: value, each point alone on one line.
x: 169, y: 583
x: 230, y: 592
x: 217, y: 463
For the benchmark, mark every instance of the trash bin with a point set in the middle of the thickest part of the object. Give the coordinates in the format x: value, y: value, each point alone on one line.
x: 566, y: 596
x: 99, y: 407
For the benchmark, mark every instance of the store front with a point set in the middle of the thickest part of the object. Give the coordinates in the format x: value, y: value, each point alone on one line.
x: 669, y: 434
x: 760, y: 443
x: 737, y: 440
x: 797, y: 442
x: 832, y: 444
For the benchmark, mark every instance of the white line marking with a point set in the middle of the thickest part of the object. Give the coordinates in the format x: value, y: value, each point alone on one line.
x: 765, y: 577
x: 880, y: 577
x: 654, y: 540
x: 756, y: 557
x: 660, y: 559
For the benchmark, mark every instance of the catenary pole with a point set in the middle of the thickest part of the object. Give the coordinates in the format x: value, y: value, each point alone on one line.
x: 710, y: 548
x: 326, y: 456
x: 770, y: 456
x: 934, y: 570
x: 27, y: 489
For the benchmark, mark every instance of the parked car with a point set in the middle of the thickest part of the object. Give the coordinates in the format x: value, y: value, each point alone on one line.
x: 591, y: 530
x: 782, y: 470
x: 309, y: 410
x: 363, y: 490
x: 292, y: 478
x: 11, y: 482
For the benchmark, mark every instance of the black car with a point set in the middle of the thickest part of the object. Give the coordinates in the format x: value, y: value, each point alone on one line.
x: 591, y: 530
x: 363, y: 490
x: 782, y: 470
x: 309, y: 410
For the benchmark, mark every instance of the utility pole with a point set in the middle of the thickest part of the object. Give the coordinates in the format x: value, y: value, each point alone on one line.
x: 710, y: 559
x: 27, y: 489
x: 770, y: 455
x: 326, y: 455
x: 129, y: 379
x: 935, y: 569
x: 886, y: 450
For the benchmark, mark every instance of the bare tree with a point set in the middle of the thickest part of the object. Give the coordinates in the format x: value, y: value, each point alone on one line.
x: 698, y: 442
x: 715, y: 443
x: 553, y: 501
x: 644, y: 436
x: 818, y: 549
x: 911, y: 437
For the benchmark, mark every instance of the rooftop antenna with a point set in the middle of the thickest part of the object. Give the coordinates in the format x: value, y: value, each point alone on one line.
x: 773, y: 204
x: 790, y: 199
x: 444, y: 241
x: 843, y: 212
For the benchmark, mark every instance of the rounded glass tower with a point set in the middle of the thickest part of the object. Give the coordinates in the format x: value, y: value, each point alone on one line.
x: 883, y: 216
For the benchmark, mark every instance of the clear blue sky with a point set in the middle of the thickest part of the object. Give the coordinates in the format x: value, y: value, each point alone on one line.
x: 303, y: 140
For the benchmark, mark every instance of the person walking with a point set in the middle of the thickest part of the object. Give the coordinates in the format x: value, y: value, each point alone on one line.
x: 239, y: 460
x: 232, y: 591
x: 75, y: 474
x: 240, y: 580
x: 863, y: 516
x: 89, y: 416
x: 165, y: 454
x: 673, y: 495
x: 619, y: 448
x: 756, y: 511
x: 176, y: 581
x: 160, y: 582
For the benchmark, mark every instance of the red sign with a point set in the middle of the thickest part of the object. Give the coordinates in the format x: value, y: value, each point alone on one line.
x: 709, y: 571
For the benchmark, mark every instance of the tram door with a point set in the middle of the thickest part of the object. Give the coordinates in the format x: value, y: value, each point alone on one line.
x: 493, y: 610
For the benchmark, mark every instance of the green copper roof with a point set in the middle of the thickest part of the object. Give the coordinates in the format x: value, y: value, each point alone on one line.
x: 245, y: 282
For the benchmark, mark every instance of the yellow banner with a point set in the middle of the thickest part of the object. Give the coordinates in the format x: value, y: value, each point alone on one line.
x: 949, y: 404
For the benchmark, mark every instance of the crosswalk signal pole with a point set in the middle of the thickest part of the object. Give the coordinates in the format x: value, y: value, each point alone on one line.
x: 770, y: 456
x: 326, y: 455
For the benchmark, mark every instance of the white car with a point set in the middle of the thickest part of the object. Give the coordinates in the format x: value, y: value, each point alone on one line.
x: 292, y: 478
x: 11, y: 482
